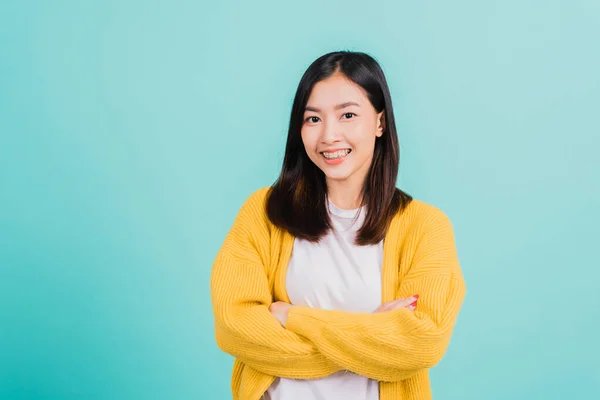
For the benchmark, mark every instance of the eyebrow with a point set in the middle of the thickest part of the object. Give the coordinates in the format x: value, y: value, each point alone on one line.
x: 338, y: 107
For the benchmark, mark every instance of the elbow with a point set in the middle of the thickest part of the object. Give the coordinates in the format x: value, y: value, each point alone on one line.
x: 221, y: 344
x: 223, y: 341
x: 432, y: 357
x: 433, y: 353
x: 422, y: 353
x: 430, y: 345
x: 411, y: 361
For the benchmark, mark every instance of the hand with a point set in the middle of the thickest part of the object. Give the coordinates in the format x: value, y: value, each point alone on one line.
x: 409, y: 303
x: 280, y: 311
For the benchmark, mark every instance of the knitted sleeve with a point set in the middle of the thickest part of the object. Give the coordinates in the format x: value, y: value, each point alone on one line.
x: 244, y: 326
x: 393, y: 346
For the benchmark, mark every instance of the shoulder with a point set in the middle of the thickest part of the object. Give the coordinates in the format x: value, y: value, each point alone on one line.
x: 419, y: 215
x: 421, y: 209
x: 253, y: 210
x: 259, y: 195
x: 256, y: 200
x: 250, y: 228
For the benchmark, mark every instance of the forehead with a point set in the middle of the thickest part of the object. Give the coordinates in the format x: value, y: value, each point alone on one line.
x: 335, y: 90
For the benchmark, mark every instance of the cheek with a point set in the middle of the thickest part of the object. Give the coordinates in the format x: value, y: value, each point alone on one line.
x: 303, y: 138
x: 308, y: 140
x: 364, y: 146
x: 362, y: 136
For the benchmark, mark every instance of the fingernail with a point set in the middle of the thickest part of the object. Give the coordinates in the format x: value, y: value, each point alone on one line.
x: 413, y: 304
x: 416, y: 296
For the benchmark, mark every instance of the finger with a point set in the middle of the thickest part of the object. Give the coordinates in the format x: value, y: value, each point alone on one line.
x: 398, y: 303
x: 403, y: 303
x: 390, y: 305
x: 382, y: 308
x: 410, y: 307
x: 275, y: 306
x: 385, y: 306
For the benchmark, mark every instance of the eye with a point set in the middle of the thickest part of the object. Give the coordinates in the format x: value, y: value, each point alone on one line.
x: 312, y: 119
x: 349, y: 115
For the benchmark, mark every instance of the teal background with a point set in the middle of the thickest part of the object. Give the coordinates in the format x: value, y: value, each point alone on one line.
x: 132, y: 131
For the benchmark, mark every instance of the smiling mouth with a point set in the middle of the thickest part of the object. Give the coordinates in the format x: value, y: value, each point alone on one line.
x: 334, y: 155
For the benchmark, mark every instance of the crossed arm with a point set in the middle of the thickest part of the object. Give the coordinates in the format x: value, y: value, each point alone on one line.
x: 308, y: 343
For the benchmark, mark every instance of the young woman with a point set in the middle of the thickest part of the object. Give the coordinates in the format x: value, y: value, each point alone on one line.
x: 315, y: 287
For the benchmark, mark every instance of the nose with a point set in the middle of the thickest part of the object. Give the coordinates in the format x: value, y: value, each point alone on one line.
x: 331, y: 132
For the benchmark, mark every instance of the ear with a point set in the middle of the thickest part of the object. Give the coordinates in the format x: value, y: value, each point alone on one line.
x: 380, y: 124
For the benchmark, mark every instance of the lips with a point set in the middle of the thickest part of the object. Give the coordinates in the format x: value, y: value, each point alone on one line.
x: 335, y: 154
x: 335, y: 157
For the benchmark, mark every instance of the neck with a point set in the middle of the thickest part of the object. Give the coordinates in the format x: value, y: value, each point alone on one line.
x: 344, y: 195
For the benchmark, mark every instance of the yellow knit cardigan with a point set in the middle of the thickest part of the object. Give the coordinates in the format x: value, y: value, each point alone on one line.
x: 395, y: 348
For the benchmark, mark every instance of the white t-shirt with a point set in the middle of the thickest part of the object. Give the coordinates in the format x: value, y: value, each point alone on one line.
x: 334, y: 274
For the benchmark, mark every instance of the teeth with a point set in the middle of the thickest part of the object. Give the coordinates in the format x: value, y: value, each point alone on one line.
x: 336, y: 154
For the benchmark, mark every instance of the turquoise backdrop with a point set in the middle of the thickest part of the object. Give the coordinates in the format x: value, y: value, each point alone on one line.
x: 132, y: 131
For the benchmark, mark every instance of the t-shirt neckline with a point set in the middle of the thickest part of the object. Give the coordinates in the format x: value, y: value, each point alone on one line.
x: 340, y: 212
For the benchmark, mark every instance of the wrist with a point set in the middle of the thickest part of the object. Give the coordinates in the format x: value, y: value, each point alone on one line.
x: 287, y: 315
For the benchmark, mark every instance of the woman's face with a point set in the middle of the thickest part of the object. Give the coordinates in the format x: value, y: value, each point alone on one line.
x: 339, y: 130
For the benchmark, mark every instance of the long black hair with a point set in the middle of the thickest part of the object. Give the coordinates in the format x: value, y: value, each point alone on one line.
x: 297, y: 201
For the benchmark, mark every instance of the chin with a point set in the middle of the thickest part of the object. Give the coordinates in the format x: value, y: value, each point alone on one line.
x: 336, y: 176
